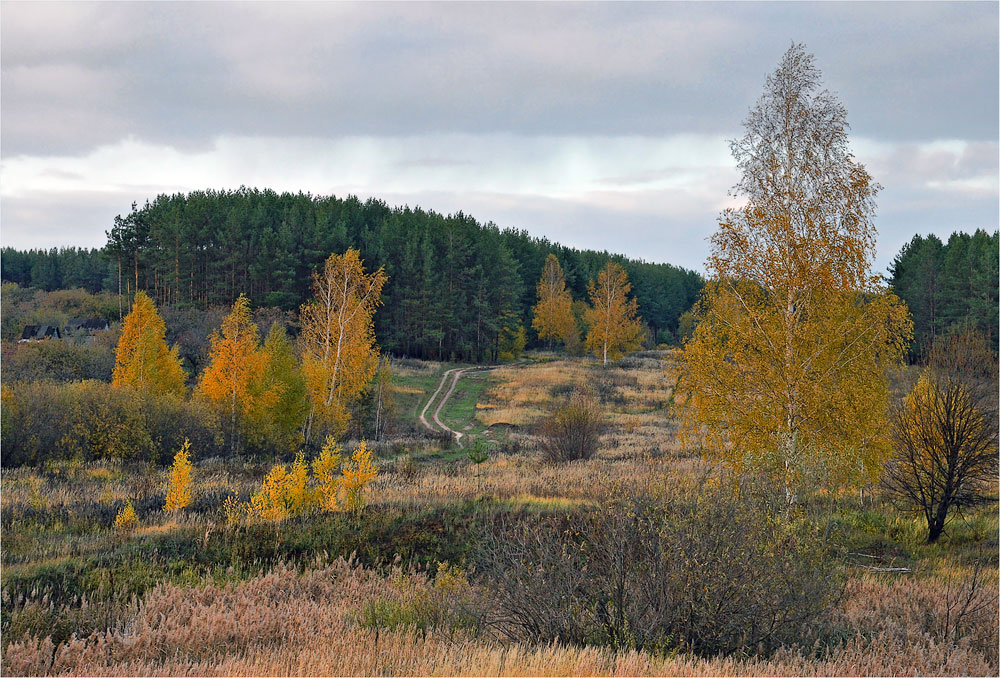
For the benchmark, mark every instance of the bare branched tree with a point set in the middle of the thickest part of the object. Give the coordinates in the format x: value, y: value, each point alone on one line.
x: 945, y: 432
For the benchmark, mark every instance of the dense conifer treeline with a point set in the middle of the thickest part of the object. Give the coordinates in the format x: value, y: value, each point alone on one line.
x: 63, y: 268
x: 457, y: 288
x: 944, y: 284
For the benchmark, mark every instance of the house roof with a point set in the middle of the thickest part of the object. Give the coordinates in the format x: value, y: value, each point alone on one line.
x: 87, y: 324
x: 40, y: 332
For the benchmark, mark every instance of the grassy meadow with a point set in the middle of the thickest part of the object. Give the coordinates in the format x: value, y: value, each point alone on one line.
x: 414, y: 584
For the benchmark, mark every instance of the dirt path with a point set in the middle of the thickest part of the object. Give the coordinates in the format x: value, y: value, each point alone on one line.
x: 455, y: 374
x: 423, y: 413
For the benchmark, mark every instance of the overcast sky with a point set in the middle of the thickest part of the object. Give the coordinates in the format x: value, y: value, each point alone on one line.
x: 597, y: 125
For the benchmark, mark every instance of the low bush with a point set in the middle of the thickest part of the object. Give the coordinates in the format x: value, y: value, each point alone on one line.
x: 446, y: 603
x: 87, y: 420
x: 562, y: 390
x: 608, y: 385
x: 58, y: 360
x: 573, y: 431
x: 697, y: 571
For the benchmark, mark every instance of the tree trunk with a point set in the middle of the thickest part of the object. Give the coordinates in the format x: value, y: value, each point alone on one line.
x: 307, y: 434
x: 936, y: 524
x: 378, y: 413
x: 232, y: 422
x: 119, y: 288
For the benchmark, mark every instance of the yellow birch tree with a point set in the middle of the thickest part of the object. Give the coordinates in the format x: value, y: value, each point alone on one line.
x: 614, y: 327
x: 339, y: 355
x: 179, y: 492
x: 235, y: 362
x: 358, y: 474
x: 785, y: 374
x: 142, y: 358
x: 325, y: 469
x: 553, y: 315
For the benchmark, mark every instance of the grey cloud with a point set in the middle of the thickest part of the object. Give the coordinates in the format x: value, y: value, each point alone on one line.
x: 62, y: 174
x: 639, y: 178
x: 923, y: 168
x: 978, y: 159
x: 185, y: 73
x: 77, y: 76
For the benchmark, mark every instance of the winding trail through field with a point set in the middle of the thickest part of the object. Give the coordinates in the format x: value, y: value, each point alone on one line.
x: 455, y: 374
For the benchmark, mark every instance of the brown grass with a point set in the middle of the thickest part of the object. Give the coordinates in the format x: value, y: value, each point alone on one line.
x: 634, y: 399
x: 288, y: 624
x: 514, y: 416
x: 507, y: 476
x: 285, y: 623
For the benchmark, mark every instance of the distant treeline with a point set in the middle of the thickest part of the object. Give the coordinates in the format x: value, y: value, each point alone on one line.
x: 945, y: 284
x: 63, y: 268
x: 454, y: 284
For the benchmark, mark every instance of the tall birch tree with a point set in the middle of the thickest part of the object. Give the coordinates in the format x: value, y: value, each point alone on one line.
x: 339, y: 354
x: 614, y: 327
x: 553, y: 317
x: 786, y: 373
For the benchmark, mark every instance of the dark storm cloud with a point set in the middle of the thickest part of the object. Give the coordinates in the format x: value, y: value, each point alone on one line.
x: 80, y: 75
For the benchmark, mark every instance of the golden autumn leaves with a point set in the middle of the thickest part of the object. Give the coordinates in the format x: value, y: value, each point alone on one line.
x: 262, y: 391
x: 259, y: 388
x: 179, y: 492
x: 612, y: 316
x: 142, y: 359
x: 554, y: 313
x: 339, y: 355
x: 336, y: 484
x: 786, y: 373
x: 614, y: 327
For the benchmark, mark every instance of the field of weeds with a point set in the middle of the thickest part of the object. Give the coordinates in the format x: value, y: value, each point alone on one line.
x: 424, y: 580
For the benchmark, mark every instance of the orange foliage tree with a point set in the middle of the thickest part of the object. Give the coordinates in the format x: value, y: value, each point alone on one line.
x: 142, y: 358
x: 785, y: 373
x: 614, y: 327
x: 339, y: 355
x: 235, y: 364
x: 553, y: 315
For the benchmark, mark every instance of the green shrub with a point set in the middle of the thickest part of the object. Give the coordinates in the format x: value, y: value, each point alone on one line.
x: 449, y: 602
x: 88, y: 420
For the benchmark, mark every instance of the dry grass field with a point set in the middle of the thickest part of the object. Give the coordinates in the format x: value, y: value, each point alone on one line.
x: 398, y: 590
x: 320, y: 622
